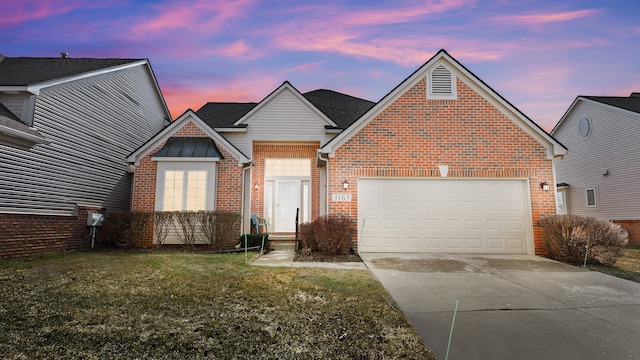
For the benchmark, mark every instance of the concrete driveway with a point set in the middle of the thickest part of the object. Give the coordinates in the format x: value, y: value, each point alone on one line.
x: 512, y: 306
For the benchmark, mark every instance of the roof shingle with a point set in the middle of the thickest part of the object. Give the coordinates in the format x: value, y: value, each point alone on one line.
x: 23, y: 71
x: 631, y: 103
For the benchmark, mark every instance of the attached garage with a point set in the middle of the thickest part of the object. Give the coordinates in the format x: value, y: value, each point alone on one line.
x: 444, y: 215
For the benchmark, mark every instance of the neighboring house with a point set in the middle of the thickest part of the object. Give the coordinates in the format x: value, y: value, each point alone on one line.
x: 601, y: 175
x: 66, y: 128
x: 441, y: 164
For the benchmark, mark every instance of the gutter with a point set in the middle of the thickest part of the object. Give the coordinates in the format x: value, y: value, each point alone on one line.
x: 326, y: 160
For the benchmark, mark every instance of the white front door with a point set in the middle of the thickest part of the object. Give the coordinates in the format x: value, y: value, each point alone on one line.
x: 287, y: 201
x: 287, y: 189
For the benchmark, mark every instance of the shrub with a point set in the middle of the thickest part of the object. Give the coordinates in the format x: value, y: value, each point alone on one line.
x: 162, y: 223
x: 127, y: 229
x: 254, y: 240
x: 568, y: 237
x: 187, y: 223
x: 219, y: 227
x: 329, y: 234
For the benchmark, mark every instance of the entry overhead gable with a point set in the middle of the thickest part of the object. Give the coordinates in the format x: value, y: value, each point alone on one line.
x: 441, y: 73
x: 285, y: 115
x: 174, y: 127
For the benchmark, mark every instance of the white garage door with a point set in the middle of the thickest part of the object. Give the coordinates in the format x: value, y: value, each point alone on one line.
x: 444, y: 215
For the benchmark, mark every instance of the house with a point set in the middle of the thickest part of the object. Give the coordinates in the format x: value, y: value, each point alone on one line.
x: 66, y: 127
x: 442, y: 163
x: 600, y: 176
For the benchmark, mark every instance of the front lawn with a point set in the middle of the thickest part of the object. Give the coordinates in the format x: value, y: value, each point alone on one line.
x: 627, y: 266
x: 187, y: 305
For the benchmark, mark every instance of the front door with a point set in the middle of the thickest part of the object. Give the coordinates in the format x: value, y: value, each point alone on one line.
x: 287, y: 201
x: 287, y: 189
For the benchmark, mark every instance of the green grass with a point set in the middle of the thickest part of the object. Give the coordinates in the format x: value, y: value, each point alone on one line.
x: 183, y: 305
x: 627, y: 266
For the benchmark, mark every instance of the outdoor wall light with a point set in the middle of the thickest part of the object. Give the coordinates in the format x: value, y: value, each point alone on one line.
x: 544, y: 186
x: 345, y: 184
x: 256, y: 186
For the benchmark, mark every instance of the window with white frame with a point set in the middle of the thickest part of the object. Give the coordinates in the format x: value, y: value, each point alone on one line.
x: 185, y: 186
x: 592, y: 197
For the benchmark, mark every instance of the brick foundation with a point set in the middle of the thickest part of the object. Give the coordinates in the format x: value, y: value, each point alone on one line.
x: 633, y: 227
x: 23, y: 234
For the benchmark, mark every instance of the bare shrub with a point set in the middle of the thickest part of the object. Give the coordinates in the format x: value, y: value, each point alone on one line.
x: 329, y: 234
x: 308, y: 238
x: 188, y: 223
x: 220, y: 228
x: 127, y: 229
x: 162, y: 223
x: 568, y: 238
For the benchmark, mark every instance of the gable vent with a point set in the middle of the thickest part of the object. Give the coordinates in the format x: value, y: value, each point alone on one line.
x: 441, y: 84
x: 441, y: 81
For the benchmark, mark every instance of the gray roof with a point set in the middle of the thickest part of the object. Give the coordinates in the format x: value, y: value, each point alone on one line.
x: 341, y: 108
x: 631, y: 103
x: 200, y: 147
x: 22, y: 71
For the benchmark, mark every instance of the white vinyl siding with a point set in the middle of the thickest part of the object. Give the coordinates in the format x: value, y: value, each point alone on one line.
x: 93, y: 125
x: 612, y: 147
x: 286, y: 118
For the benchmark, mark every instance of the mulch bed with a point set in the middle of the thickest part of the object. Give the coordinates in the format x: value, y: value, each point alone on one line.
x: 319, y: 257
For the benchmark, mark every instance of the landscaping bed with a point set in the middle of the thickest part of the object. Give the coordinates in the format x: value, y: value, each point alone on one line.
x: 124, y: 305
x: 627, y: 266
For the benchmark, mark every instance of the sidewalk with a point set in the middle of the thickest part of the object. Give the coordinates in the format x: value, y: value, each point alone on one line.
x: 285, y: 258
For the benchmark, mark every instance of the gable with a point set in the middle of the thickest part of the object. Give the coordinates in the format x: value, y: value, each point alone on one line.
x: 435, y: 74
x: 466, y: 134
x: 286, y: 118
x: 188, y: 124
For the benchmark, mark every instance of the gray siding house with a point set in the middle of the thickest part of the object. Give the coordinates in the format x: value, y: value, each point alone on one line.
x: 601, y: 175
x: 66, y: 128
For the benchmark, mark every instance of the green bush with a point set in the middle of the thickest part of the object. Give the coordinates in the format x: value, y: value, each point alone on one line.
x: 329, y: 234
x: 254, y: 240
x: 568, y: 237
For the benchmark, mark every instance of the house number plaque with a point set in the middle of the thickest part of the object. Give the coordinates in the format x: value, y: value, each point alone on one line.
x: 340, y: 197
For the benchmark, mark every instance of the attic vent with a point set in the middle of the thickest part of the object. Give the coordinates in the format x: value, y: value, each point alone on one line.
x: 441, y: 80
x: 442, y: 83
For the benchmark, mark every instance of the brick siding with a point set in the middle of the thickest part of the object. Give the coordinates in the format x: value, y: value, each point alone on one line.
x: 262, y: 151
x: 229, y: 184
x: 24, y: 234
x: 633, y: 227
x: 412, y: 136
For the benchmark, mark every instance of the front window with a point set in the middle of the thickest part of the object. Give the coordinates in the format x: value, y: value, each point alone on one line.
x: 185, y: 186
x: 185, y: 190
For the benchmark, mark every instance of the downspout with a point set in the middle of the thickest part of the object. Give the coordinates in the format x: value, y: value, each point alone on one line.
x: 326, y: 203
x: 242, y: 206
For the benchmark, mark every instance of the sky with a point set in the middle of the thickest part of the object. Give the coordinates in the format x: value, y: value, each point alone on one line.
x: 538, y: 54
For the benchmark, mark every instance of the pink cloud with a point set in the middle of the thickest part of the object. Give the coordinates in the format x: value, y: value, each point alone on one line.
x: 180, y: 97
x: 197, y: 17
x: 15, y: 12
x: 544, y: 18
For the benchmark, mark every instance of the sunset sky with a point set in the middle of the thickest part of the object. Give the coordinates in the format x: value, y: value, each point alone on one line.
x: 539, y: 55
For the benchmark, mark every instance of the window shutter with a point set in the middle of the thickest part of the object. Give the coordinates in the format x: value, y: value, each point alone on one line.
x: 441, y: 81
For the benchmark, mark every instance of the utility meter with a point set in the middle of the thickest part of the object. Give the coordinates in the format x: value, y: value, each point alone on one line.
x: 95, y: 219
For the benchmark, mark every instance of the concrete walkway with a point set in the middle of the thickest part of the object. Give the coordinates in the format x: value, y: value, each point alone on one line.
x: 285, y: 258
x: 512, y: 306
